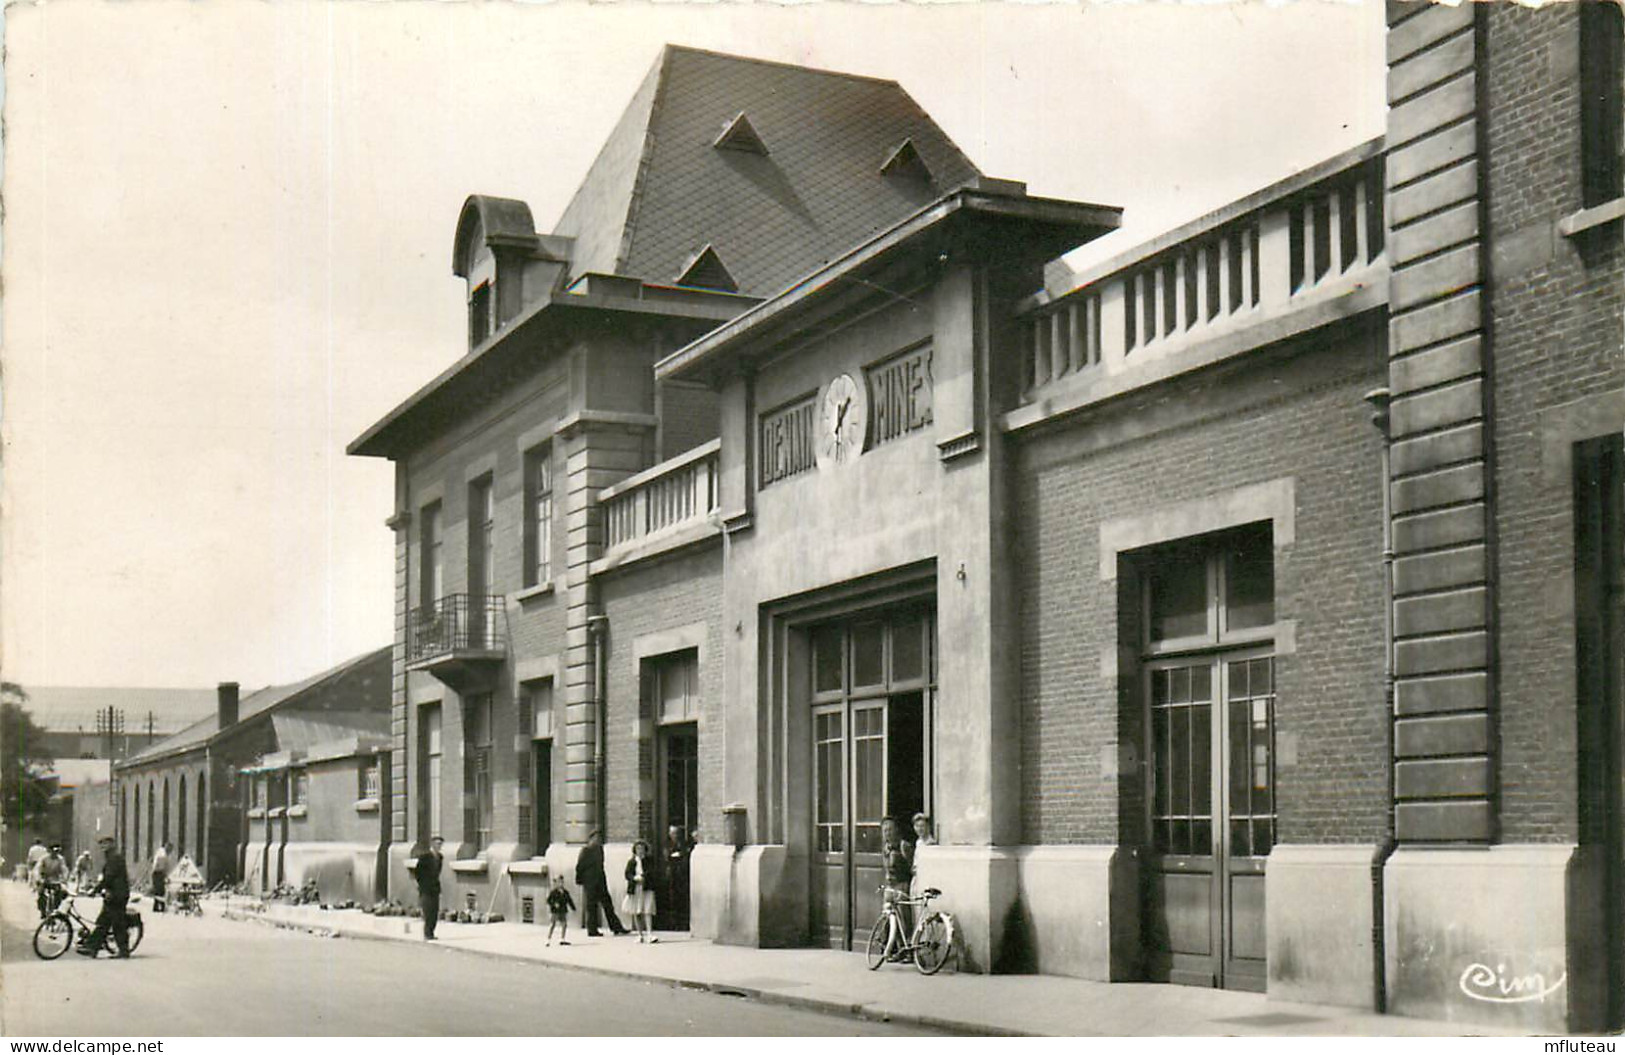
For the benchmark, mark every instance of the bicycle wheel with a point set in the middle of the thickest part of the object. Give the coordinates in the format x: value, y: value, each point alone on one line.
x: 136, y: 930
x: 53, y: 937
x: 878, y: 940
x: 932, y: 942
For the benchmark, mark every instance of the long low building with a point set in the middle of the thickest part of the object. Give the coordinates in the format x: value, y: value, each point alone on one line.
x: 188, y: 790
x: 1244, y: 612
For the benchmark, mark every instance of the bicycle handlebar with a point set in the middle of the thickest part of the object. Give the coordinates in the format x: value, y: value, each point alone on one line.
x: 924, y: 897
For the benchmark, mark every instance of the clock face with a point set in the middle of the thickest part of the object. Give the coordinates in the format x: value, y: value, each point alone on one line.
x: 843, y: 421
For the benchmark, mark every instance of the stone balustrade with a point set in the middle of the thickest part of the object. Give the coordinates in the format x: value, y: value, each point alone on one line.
x: 1301, y: 243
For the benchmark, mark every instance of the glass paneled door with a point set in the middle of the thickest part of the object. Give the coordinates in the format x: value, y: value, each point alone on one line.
x: 1212, y: 817
x: 871, y: 759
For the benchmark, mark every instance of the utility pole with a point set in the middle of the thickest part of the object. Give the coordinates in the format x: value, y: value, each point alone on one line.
x: 110, y: 727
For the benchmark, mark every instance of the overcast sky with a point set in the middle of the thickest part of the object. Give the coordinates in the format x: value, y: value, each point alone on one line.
x: 227, y: 251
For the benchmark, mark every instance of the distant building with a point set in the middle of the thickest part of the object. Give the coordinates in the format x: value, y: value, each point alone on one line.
x: 77, y: 724
x: 187, y: 789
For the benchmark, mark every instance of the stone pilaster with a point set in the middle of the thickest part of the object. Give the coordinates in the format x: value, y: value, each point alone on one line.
x: 599, y: 451
x: 1438, y: 347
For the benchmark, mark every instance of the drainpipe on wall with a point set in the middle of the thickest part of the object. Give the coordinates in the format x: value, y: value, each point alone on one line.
x: 597, y: 627
x: 1379, y: 399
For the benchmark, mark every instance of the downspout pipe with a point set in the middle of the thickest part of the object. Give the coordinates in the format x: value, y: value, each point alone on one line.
x: 1379, y: 399
x: 597, y: 630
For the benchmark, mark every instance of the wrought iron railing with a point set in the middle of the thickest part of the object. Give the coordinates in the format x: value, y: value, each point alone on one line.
x: 1306, y: 239
x: 678, y: 491
x: 458, y: 622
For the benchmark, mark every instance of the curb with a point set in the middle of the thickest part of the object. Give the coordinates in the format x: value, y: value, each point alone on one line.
x: 863, y: 1012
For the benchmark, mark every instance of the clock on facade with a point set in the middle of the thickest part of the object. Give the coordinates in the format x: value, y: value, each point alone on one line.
x: 842, y: 421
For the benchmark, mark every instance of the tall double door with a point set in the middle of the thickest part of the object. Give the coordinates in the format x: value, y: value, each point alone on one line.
x: 1212, y: 726
x: 872, y: 682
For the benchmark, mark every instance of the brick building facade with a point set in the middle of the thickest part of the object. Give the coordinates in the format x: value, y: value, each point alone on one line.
x: 1245, y: 611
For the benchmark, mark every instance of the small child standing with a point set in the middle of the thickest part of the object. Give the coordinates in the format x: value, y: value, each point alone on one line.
x: 559, y: 906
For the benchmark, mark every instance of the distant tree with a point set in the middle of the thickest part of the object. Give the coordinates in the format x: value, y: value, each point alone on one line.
x: 23, y: 761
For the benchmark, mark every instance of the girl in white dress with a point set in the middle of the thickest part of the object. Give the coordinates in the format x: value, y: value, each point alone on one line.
x: 640, y: 898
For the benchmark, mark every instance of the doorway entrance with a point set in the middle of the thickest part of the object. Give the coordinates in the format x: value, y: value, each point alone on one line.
x: 1209, y: 681
x: 1213, y: 816
x: 1599, y: 594
x: 872, y: 685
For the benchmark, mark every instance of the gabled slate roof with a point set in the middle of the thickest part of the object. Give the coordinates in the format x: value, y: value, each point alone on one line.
x: 660, y: 188
x: 262, y: 700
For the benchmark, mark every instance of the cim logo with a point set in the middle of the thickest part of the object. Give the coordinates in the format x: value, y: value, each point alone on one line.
x: 1495, y: 985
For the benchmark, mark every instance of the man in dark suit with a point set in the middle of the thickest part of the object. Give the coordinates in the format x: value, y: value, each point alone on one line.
x: 426, y: 870
x: 114, y: 887
x: 595, y: 887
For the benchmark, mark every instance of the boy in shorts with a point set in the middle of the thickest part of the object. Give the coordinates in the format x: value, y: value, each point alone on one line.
x: 559, y: 906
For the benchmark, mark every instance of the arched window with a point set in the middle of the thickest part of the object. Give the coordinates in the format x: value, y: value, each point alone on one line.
x: 180, y: 816
x: 164, y: 839
x: 202, y: 821
x: 134, y: 845
x: 123, y: 816
x: 152, y: 794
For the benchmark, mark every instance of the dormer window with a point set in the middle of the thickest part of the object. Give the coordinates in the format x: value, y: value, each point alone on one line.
x: 705, y: 270
x: 739, y: 134
x: 479, y: 315
x: 906, y: 163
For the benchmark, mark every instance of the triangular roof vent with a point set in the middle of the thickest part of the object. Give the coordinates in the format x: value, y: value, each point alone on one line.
x: 738, y: 134
x: 705, y: 270
x: 905, y: 162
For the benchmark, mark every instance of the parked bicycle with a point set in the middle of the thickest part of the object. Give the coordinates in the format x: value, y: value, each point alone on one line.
x: 54, y: 935
x: 929, y: 943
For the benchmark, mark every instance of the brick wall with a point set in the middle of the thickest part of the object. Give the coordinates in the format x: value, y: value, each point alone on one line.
x: 1556, y: 305
x: 1300, y: 417
x: 649, y: 598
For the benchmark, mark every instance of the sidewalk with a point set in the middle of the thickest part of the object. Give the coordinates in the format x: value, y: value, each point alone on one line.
x: 839, y: 982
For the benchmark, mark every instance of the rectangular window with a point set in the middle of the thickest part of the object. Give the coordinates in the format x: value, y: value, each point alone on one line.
x: 539, y: 516
x: 479, y: 315
x: 1219, y: 589
x: 536, y: 707
x: 1602, y: 101
x: 477, y: 797
x: 429, y: 755
x: 676, y: 686
x: 481, y: 530
x: 301, y: 787
x: 367, y: 786
x: 431, y: 573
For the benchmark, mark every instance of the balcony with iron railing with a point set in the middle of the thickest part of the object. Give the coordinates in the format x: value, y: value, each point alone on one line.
x: 460, y: 638
x: 665, y: 507
x: 1293, y: 257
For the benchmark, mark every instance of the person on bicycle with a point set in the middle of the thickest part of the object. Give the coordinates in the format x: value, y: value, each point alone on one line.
x: 50, y: 875
x: 114, y: 887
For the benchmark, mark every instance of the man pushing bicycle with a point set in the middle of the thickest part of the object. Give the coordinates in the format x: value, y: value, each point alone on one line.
x: 114, y: 887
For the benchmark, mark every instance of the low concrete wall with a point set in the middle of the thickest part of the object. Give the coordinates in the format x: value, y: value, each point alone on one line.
x: 980, y: 886
x: 342, y: 871
x: 1076, y: 913
x: 754, y: 896
x: 1500, y: 936
x: 1318, y: 924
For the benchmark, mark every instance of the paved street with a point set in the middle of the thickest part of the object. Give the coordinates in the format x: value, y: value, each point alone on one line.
x: 209, y: 976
